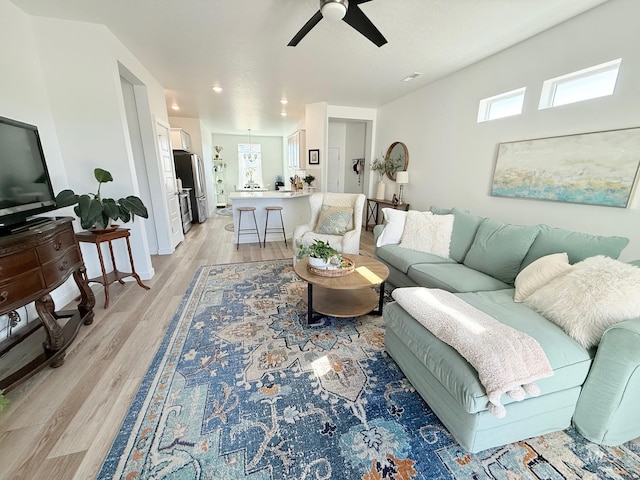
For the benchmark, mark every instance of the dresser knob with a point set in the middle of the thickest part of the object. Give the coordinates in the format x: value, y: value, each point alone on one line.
x: 63, y: 265
x: 3, y: 296
x: 57, y: 245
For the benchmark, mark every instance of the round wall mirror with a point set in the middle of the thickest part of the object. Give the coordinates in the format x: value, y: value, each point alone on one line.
x: 398, y: 150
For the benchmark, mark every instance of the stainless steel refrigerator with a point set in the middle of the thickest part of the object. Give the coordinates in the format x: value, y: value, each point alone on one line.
x: 190, y: 170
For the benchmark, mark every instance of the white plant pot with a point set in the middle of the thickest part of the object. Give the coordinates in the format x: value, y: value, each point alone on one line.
x: 380, y: 190
x: 318, y: 262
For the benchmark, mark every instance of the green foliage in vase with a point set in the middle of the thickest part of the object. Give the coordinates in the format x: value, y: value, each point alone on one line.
x: 92, y: 209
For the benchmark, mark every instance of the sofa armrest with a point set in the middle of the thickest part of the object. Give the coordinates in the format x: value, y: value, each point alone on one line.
x: 607, y: 411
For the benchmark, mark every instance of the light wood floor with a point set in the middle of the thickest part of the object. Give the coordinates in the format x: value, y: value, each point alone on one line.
x: 60, y: 423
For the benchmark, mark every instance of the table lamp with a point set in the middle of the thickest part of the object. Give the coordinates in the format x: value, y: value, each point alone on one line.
x: 402, y: 178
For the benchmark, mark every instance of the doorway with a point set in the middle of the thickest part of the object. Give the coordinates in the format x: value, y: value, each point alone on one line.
x: 347, y: 146
x: 144, y: 151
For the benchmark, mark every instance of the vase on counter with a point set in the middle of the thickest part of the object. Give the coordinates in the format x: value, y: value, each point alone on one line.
x: 380, y: 190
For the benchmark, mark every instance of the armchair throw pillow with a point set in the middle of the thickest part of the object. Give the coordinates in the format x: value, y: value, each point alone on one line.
x: 334, y: 220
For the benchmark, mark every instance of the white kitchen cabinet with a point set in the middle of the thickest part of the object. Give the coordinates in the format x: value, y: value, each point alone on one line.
x: 180, y: 139
x: 296, y: 150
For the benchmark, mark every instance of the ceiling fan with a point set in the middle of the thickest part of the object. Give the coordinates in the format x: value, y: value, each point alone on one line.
x: 347, y: 10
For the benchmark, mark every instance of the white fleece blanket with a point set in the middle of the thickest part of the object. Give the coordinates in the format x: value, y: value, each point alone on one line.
x: 507, y: 360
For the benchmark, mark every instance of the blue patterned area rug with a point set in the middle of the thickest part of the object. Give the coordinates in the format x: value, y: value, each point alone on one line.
x: 240, y: 390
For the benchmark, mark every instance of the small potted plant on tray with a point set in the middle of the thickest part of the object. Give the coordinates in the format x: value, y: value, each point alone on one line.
x: 96, y: 212
x: 321, y: 254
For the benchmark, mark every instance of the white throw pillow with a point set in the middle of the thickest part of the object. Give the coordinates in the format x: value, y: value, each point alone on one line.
x: 426, y: 232
x: 540, y: 272
x: 393, y: 226
x: 597, y: 293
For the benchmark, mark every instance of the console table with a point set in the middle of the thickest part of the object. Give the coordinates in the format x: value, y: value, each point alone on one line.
x: 107, y: 278
x: 33, y: 262
x: 373, y: 210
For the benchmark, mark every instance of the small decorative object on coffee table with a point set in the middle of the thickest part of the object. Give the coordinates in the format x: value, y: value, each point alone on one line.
x: 349, y: 295
x: 321, y: 255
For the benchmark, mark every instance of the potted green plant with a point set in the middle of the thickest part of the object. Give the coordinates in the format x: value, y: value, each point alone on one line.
x: 97, y: 212
x: 308, y: 180
x: 320, y: 254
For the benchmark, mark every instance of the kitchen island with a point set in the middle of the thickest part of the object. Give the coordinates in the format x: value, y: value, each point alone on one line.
x: 295, y: 211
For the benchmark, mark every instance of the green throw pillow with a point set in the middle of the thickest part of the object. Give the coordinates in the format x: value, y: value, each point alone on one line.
x: 577, y: 245
x: 499, y: 248
x: 334, y: 220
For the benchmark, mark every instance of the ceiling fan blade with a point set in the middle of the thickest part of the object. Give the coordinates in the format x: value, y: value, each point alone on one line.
x: 313, y: 21
x: 358, y: 20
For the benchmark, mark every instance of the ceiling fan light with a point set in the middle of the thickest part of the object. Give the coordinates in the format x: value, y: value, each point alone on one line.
x: 334, y: 10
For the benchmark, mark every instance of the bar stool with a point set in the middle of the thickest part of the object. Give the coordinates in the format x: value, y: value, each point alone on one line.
x: 247, y: 231
x: 269, y: 229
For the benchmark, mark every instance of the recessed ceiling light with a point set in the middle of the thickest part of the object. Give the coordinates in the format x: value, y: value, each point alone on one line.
x: 283, y: 114
x: 284, y: 101
x: 413, y: 76
x: 217, y: 88
x: 175, y: 107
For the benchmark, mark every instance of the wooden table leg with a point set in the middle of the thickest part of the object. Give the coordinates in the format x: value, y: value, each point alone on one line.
x: 55, y: 337
x: 133, y: 269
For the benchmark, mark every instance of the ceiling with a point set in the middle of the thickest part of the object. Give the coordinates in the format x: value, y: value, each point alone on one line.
x: 241, y: 45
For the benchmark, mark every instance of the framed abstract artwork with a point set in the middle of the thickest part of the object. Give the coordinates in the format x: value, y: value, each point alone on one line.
x: 597, y: 168
x: 314, y: 157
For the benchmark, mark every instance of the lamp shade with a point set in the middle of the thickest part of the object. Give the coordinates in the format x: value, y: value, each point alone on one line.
x: 402, y: 177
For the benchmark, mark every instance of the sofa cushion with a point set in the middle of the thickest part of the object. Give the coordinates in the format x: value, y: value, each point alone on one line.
x: 597, y: 293
x: 453, y: 277
x: 428, y: 233
x: 569, y: 361
x: 393, y: 227
x: 465, y: 227
x: 540, y: 272
x: 577, y: 245
x: 402, y: 259
x: 499, y: 248
x: 440, y: 211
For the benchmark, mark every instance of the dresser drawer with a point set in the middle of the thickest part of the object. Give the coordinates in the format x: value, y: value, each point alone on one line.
x: 56, y: 246
x: 59, y: 269
x: 17, y: 264
x: 14, y: 293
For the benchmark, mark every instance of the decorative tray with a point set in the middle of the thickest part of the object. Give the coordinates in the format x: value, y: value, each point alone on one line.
x: 346, y: 268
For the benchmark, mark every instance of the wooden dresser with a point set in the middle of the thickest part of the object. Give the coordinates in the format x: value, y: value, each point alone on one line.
x: 34, y: 262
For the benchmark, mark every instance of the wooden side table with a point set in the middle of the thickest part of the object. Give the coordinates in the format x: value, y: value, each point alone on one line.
x: 373, y: 210
x: 107, y: 278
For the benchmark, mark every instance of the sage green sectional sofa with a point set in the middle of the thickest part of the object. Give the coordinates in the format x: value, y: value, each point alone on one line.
x: 595, y: 388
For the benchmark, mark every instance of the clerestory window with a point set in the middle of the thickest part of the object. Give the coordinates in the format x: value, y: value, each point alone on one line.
x: 593, y: 82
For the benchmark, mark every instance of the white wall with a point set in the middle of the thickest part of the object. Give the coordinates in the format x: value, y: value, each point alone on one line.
x: 200, y: 144
x: 24, y: 97
x: 451, y: 157
x: 272, y: 154
x: 81, y: 66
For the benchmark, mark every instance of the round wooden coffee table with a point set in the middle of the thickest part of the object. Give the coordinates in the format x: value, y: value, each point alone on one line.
x: 349, y: 295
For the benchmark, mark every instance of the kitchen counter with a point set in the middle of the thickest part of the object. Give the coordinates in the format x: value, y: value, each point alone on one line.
x: 267, y: 194
x: 295, y: 211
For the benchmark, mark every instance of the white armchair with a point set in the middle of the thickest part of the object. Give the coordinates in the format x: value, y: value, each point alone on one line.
x: 349, y: 242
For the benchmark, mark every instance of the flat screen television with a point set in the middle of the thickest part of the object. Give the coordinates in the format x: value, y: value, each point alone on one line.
x: 25, y: 185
